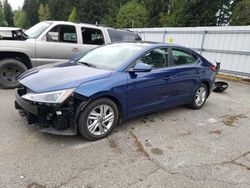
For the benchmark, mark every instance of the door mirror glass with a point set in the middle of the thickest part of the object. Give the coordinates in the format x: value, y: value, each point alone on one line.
x: 142, y: 67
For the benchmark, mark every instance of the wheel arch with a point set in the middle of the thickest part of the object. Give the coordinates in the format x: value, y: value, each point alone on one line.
x: 115, y: 100
x: 24, y: 58
x: 207, y: 83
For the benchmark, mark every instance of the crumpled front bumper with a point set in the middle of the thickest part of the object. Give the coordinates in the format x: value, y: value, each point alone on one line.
x: 55, y: 119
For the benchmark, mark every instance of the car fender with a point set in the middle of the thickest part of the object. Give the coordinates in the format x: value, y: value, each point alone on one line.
x: 114, y: 87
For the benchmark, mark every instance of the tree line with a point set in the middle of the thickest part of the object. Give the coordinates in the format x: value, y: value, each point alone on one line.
x: 129, y: 13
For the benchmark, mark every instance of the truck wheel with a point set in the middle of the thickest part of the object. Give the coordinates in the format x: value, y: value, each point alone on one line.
x: 10, y: 69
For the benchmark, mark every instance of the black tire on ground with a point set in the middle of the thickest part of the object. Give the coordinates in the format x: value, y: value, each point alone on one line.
x: 9, y: 70
x: 83, y: 119
x: 194, y: 104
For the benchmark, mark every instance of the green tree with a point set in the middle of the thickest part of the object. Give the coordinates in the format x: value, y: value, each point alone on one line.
x: 156, y: 8
x: 8, y: 13
x: 73, y: 17
x: 224, y: 12
x: 2, y: 20
x: 132, y: 14
x: 60, y: 9
x: 241, y: 13
x: 196, y: 13
x: 20, y: 19
x: 112, y: 8
x: 44, y: 12
x: 30, y: 7
x: 92, y: 11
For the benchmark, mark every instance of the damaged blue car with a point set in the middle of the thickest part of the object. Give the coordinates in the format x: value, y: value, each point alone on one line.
x: 92, y: 93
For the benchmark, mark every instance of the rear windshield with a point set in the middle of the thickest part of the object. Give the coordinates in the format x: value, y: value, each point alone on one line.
x: 116, y: 36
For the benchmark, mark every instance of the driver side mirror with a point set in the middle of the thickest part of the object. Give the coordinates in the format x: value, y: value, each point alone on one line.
x: 141, y: 67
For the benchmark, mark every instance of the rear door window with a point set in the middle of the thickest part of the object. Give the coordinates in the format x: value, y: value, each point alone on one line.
x: 157, y: 58
x: 182, y: 57
x: 116, y: 36
x: 92, y: 36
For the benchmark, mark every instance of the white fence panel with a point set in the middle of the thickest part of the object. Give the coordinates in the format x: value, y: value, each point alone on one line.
x: 229, y: 45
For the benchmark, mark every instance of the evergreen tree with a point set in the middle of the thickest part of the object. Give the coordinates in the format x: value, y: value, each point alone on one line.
x: 156, y: 8
x: 30, y: 7
x: 44, y: 12
x: 108, y: 17
x: 2, y: 20
x: 60, y: 9
x: 241, y: 13
x: 196, y: 13
x: 92, y: 11
x: 224, y: 12
x: 20, y: 19
x: 8, y: 13
x: 73, y: 15
x: 132, y: 14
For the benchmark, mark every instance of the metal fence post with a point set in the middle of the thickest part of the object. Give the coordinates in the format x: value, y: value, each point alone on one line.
x: 164, y: 36
x: 203, y: 40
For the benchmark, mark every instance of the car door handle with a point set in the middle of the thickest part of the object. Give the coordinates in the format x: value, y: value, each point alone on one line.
x: 167, y: 77
x: 75, y: 49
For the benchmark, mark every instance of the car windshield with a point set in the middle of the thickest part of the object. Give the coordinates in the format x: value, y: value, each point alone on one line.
x: 111, y: 56
x: 37, y: 29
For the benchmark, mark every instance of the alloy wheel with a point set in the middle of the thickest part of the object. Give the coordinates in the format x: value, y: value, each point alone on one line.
x: 200, y: 97
x: 100, y: 120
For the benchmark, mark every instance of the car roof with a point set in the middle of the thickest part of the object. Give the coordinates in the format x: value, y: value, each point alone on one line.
x: 149, y: 44
x: 9, y: 29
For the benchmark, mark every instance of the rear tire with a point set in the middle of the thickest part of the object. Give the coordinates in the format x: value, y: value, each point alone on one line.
x: 200, y: 97
x: 95, y: 125
x: 10, y: 69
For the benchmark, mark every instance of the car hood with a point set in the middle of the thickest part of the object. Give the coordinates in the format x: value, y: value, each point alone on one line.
x: 59, y: 76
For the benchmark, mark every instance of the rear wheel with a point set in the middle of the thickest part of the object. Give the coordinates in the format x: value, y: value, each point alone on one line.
x: 98, y: 119
x: 10, y: 69
x: 199, y: 97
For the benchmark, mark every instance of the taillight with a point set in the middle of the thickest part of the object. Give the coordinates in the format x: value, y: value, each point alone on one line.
x: 213, y: 68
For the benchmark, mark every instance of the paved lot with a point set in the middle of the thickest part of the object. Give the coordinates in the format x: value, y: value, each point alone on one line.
x: 178, y: 147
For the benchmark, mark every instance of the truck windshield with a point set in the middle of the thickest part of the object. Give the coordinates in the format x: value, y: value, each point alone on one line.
x: 37, y: 29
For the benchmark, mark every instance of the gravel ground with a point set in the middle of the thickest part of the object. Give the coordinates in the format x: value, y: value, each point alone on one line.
x: 177, y: 147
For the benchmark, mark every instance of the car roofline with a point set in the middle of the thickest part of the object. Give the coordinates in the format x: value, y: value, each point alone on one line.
x: 152, y: 43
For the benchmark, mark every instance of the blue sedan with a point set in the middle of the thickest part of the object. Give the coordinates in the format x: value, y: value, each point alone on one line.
x: 92, y: 93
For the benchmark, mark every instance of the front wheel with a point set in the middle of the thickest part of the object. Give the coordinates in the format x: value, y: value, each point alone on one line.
x: 98, y: 119
x: 199, y: 97
x: 10, y: 69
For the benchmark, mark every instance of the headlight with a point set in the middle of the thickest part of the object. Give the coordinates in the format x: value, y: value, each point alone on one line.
x: 49, y: 97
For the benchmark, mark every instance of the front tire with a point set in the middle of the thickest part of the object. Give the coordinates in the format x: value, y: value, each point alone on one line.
x: 10, y: 69
x: 200, y: 97
x: 98, y: 119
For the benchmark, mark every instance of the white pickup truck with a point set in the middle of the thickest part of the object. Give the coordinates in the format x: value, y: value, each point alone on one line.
x: 50, y: 41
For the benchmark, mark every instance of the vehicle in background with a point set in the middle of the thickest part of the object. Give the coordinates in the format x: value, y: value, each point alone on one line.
x: 12, y: 33
x: 111, y: 83
x: 50, y: 41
